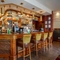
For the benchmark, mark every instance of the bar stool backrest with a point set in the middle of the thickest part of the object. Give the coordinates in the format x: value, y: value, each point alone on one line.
x: 45, y: 36
x: 50, y: 34
x: 26, y: 38
x: 38, y: 36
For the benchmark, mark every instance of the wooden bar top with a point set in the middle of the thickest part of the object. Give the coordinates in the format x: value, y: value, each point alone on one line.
x: 10, y: 36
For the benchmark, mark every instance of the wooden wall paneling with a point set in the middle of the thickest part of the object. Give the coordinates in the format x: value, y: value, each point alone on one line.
x: 0, y: 10
x: 45, y: 18
x: 13, y: 49
x: 0, y: 23
x: 11, y: 5
x: 52, y: 21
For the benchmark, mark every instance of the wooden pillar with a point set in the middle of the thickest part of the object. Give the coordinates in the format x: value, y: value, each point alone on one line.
x: 52, y: 22
x: 45, y: 19
x: 13, y: 48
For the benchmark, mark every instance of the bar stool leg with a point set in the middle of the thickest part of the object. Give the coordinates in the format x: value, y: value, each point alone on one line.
x: 36, y: 50
x: 49, y: 44
x: 24, y: 54
x: 44, y: 45
x: 30, y: 52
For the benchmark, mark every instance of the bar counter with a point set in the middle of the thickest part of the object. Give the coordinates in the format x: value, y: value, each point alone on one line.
x: 13, y: 48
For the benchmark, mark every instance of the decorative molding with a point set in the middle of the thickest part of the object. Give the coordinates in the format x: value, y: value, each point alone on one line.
x: 21, y: 7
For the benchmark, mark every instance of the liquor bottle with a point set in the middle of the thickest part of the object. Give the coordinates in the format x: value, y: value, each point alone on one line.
x: 8, y: 31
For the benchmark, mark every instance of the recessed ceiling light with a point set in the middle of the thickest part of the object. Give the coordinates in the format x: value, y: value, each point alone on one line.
x: 41, y: 11
x: 21, y: 3
x: 33, y: 8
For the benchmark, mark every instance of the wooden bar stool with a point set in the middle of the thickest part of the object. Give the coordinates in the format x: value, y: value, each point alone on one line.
x: 44, y: 38
x: 36, y: 41
x: 25, y: 44
x: 38, y: 38
x: 50, y: 39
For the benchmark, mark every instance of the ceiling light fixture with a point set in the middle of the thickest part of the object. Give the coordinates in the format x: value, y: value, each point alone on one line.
x: 41, y: 11
x: 57, y: 14
x: 33, y: 8
x: 21, y: 3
